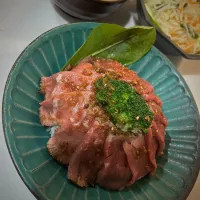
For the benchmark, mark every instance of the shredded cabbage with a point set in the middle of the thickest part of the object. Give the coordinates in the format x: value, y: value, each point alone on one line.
x: 178, y: 19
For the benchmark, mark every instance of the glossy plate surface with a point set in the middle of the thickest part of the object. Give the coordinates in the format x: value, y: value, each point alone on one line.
x: 26, y: 138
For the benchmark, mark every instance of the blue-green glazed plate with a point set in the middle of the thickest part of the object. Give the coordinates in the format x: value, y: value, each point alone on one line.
x: 26, y: 138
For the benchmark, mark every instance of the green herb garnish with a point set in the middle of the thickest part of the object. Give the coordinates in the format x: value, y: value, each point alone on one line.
x: 125, y: 107
x: 191, y: 31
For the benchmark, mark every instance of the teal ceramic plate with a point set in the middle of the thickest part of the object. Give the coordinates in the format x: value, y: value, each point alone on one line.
x: 26, y: 138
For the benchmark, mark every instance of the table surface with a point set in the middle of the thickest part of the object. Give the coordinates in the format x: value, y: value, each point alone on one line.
x: 21, y: 21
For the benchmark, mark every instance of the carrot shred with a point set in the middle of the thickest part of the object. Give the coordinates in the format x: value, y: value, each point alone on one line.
x: 193, y: 2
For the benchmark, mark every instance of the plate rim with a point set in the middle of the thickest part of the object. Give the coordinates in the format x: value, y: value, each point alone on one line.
x: 29, y: 186
x: 186, y: 192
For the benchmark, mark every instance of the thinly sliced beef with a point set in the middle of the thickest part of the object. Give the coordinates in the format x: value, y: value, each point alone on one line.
x: 64, y: 82
x: 63, y: 144
x: 157, y: 130
x: 68, y: 110
x: 86, y: 69
x: 152, y: 146
x: 152, y: 97
x: 85, y: 136
x: 123, y: 73
x: 158, y: 126
x: 137, y: 156
x: 115, y: 174
x: 87, y: 160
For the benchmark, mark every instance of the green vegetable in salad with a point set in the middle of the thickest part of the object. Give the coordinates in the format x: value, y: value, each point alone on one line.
x: 190, y: 30
x: 126, y: 108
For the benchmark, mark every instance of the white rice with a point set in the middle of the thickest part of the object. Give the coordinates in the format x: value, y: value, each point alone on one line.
x: 52, y: 130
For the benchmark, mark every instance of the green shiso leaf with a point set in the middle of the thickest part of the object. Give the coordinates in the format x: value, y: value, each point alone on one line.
x: 111, y: 41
